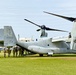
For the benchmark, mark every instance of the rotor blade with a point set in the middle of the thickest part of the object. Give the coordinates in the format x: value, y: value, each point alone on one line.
x: 68, y: 18
x: 32, y: 23
x: 38, y: 29
x: 55, y: 29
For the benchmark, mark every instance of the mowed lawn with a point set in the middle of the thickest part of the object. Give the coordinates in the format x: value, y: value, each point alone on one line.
x: 35, y: 65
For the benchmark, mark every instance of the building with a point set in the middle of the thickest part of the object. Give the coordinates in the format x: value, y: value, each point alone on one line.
x: 26, y: 39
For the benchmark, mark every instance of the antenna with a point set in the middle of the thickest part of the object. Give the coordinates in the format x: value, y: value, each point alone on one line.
x: 18, y: 37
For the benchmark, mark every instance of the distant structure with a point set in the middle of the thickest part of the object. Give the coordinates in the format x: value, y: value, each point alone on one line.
x: 1, y: 34
x: 69, y: 35
x: 26, y: 39
x: 1, y: 37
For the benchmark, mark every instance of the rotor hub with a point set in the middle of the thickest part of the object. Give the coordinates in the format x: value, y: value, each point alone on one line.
x: 43, y: 27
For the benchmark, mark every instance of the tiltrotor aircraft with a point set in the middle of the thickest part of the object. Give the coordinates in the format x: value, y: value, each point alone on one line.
x: 45, y: 46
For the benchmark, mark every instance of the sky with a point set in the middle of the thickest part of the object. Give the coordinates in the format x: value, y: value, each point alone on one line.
x: 13, y: 13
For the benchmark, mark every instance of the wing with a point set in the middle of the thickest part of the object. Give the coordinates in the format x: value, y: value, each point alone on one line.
x: 60, y: 43
x: 59, y: 39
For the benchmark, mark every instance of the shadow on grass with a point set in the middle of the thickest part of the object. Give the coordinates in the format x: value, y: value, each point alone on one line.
x: 55, y: 55
x: 36, y: 55
x: 64, y: 55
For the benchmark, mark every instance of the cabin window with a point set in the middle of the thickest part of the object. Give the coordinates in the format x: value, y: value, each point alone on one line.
x: 48, y: 45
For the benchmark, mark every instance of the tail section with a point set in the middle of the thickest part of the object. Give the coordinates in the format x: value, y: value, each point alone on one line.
x: 9, y: 36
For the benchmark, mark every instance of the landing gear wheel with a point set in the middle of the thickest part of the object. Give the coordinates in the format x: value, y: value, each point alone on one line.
x: 40, y: 55
x: 49, y: 55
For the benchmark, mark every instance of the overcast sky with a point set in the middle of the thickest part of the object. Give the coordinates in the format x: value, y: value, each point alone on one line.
x: 13, y: 13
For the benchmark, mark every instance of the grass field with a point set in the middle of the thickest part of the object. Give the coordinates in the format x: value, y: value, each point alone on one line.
x: 35, y: 65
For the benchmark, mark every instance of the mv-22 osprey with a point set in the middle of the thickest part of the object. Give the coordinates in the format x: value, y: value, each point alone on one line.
x: 44, y: 46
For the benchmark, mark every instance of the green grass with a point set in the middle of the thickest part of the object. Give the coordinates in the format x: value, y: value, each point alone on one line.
x: 35, y: 65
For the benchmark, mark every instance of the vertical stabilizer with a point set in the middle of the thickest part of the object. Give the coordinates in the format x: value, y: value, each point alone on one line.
x: 9, y: 36
x: 73, y: 38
